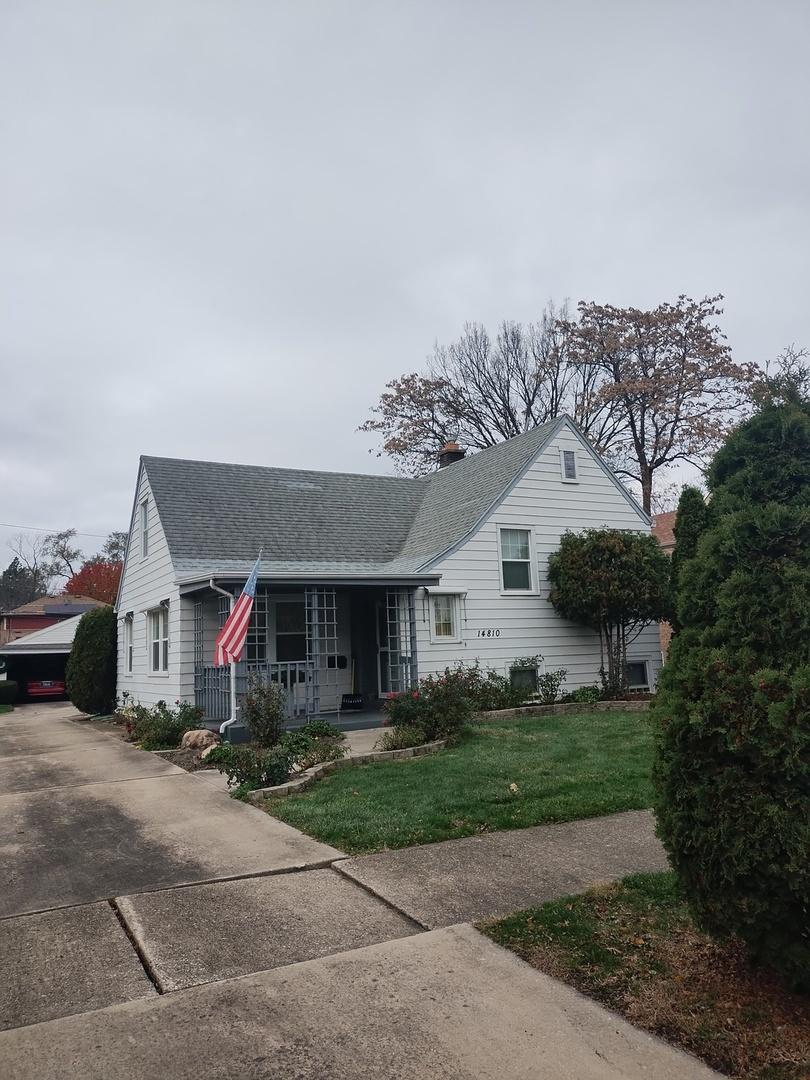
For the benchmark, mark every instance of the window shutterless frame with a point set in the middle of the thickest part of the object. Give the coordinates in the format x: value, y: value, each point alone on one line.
x: 638, y: 675
x: 518, y: 574
x: 128, y: 645
x: 569, y: 466
x: 144, y: 528
x: 158, y: 628
x: 445, y: 621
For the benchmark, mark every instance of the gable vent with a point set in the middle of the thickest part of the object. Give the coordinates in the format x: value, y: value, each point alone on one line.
x: 569, y: 465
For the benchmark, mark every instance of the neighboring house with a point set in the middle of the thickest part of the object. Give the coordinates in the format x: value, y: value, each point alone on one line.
x: 37, y: 661
x: 663, y: 529
x: 367, y: 582
x: 43, y: 612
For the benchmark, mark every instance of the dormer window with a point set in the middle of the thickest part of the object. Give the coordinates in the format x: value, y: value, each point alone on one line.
x: 568, y: 466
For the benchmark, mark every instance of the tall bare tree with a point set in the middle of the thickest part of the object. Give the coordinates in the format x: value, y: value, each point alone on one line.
x: 648, y: 388
x: 670, y: 375
x: 31, y: 552
x: 482, y: 391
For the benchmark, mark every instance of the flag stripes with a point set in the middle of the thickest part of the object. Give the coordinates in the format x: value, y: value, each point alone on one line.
x: 230, y: 642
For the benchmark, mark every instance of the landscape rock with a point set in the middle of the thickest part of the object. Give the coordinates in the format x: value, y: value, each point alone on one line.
x: 207, y: 751
x: 200, y: 739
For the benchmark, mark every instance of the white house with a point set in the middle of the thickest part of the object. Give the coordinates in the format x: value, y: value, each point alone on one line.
x: 367, y: 582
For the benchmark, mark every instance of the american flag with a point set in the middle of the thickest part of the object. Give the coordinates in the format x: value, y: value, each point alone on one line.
x: 230, y: 641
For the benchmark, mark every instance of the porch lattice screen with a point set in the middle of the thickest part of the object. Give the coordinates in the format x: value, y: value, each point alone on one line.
x: 400, y: 619
x: 322, y: 648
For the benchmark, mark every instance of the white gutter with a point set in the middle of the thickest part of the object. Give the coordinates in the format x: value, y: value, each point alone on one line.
x: 226, y: 724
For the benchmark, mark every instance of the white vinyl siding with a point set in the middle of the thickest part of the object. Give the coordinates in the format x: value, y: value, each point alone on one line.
x: 145, y: 583
x: 501, y: 625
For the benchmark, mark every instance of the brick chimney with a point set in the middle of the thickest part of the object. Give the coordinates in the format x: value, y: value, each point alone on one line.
x: 449, y: 453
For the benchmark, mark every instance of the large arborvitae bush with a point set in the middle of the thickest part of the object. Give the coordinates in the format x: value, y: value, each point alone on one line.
x: 733, y: 705
x: 694, y: 517
x: 90, y: 677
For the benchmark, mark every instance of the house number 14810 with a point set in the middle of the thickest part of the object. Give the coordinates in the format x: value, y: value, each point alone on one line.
x: 489, y: 633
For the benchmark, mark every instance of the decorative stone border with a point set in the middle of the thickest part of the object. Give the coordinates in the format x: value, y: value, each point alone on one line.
x: 629, y: 705
x: 309, y: 776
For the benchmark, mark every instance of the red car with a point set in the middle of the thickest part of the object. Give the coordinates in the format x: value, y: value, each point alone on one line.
x: 45, y: 688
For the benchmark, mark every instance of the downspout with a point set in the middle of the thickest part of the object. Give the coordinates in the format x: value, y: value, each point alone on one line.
x: 226, y: 724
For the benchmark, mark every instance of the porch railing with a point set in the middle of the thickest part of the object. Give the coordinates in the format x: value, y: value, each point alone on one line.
x: 212, y: 686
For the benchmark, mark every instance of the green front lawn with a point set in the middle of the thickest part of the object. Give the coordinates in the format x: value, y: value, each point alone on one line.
x: 505, y: 774
x: 633, y: 946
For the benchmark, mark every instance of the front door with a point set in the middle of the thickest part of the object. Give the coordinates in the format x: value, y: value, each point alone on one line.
x: 396, y: 667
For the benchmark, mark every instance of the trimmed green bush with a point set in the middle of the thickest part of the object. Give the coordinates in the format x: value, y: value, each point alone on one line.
x: 8, y: 692
x: 250, y: 767
x: 91, y: 666
x: 159, y: 727
x: 264, y: 711
x: 616, y: 582
x: 733, y: 703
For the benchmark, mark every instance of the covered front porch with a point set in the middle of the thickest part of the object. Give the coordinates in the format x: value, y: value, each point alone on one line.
x: 334, y: 649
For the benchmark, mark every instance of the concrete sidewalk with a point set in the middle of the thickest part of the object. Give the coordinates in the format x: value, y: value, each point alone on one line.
x: 448, y: 1005
x: 487, y: 876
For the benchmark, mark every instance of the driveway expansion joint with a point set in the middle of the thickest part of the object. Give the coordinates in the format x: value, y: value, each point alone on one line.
x: 151, y: 974
x: 337, y: 867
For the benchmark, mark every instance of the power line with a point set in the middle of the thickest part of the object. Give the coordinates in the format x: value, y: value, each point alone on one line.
x: 35, y: 528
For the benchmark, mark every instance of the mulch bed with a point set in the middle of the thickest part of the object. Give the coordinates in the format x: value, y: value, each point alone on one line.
x: 185, y: 759
x: 633, y: 946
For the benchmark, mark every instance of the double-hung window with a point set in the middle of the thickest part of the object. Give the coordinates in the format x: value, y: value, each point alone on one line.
x: 159, y: 640
x: 128, y: 644
x: 444, y: 617
x: 516, y: 560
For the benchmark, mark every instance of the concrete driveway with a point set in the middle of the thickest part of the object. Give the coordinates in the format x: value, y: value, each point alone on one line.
x: 86, y: 817
x: 151, y: 926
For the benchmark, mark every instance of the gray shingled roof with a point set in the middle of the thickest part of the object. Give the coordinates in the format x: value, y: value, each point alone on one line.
x: 217, y: 516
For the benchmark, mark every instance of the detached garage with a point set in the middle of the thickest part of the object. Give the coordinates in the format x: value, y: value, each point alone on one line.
x: 36, y: 662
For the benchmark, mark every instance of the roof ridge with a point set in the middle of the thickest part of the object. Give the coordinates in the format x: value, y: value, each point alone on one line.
x: 146, y: 458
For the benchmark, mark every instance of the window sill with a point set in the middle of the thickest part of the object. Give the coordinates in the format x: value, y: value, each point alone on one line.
x: 520, y: 592
x: 444, y: 640
x: 569, y: 480
x: 158, y: 674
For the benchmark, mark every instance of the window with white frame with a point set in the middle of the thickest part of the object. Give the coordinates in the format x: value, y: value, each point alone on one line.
x: 445, y: 623
x: 516, y: 560
x: 159, y: 640
x: 568, y: 466
x: 637, y: 675
x: 128, y: 644
x: 145, y: 528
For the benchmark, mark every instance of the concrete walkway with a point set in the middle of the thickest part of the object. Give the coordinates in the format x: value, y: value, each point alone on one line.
x: 153, y: 926
x: 482, y: 877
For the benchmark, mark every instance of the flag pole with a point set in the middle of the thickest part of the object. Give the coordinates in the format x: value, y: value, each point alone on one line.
x: 251, y: 582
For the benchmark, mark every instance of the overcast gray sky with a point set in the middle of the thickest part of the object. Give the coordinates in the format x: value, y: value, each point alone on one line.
x: 225, y: 225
